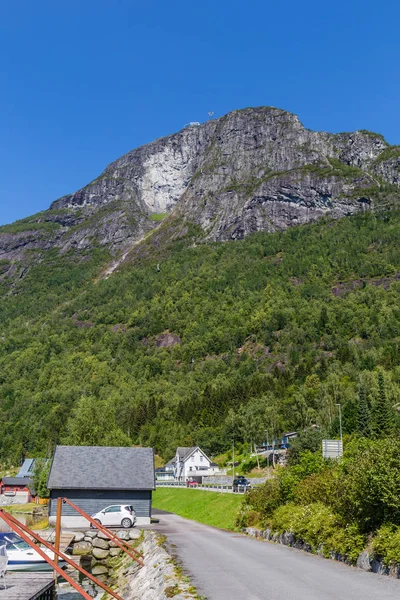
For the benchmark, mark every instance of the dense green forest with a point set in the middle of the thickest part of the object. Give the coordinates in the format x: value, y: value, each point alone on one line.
x: 198, y: 343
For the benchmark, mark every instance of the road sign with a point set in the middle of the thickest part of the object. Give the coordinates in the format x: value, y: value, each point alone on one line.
x: 332, y: 448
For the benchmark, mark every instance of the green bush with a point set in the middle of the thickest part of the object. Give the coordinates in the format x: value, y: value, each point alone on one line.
x: 386, y: 544
x: 368, y: 483
x: 264, y: 499
x: 318, y: 526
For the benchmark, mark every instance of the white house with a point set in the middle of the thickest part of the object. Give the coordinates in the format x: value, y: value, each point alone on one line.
x: 191, y: 462
x: 166, y: 473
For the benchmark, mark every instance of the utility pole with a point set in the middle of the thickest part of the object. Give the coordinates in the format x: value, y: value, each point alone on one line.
x: 233, y: 460
x: 266, y: 431
x: 258, y: 460
x: 340, y: 423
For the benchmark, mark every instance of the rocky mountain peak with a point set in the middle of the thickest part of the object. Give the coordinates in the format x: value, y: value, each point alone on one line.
x: 250, y: 170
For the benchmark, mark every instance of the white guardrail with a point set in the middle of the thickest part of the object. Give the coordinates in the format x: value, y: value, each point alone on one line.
x: 211, y: 487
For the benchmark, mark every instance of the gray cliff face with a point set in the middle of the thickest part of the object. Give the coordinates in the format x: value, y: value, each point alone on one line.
x: 256, y: 169
x: 265, y: 171
x: 153, y: 177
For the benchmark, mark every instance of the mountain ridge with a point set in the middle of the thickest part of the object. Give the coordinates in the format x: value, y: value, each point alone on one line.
x: 254, y: 169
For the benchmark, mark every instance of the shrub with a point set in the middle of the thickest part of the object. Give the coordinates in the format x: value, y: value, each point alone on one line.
x: 264, y: 499
x: 386, y: 544
x: 308, y: 440
x: 368, y: 484
x: 318, y: 487
x: 318, y: 526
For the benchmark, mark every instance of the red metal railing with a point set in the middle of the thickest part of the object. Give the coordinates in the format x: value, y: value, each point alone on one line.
x: 132, y: 552
x: 22, y: 531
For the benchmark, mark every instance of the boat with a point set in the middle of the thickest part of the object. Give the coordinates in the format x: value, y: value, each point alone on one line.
x: 21, y: 557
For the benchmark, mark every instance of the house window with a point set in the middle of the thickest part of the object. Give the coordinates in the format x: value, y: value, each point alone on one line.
x: 192, y: 459
x: 201, y: 459
x: 190, y: 468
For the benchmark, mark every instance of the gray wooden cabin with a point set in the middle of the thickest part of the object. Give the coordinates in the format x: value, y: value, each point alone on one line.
x: 94, y: 477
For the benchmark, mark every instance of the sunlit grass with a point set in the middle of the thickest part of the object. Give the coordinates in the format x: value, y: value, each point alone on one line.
x: 158, y: 216
x: 210, y: 508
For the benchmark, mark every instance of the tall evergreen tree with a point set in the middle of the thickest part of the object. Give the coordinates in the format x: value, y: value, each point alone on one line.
x: 363, y: 414
x: 383, y: 418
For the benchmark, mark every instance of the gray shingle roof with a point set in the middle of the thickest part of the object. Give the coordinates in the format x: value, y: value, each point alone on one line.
x: 25, y: 481
x: 184, y: 452
x: 102, y: 467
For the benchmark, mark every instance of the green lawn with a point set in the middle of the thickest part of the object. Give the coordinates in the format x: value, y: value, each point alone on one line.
x: 21, y: 508
x: 210, y: 508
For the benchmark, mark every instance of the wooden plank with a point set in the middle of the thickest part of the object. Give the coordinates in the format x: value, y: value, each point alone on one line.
x: 65, y: 540
x: 25, y: 586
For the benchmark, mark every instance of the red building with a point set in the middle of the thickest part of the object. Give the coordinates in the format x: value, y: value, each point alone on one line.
x: 16, y: 486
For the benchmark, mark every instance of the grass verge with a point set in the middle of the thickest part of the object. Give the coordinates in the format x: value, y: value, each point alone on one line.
x: 210, y: 508
x: 28, y: 508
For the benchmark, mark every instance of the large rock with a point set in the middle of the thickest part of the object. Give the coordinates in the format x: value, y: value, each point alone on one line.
x: 364, y: 561
x: 82, y: 548
x: 377, y: 566
x: 99, y: 569
x: 99, y: 553
x: 134, y: 534
x: 102, y: 536
x: 91, y: 533
x: 124, y: 535
x: 100, y: 543
x: 79, y: 537
x: 115, y: 551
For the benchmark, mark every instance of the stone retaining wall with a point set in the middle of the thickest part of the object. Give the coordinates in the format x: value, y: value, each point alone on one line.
x: 365, y: 560
x: 158, y: 579
x: 98, y: 552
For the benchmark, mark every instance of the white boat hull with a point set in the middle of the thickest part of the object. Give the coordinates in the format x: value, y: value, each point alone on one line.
x: 29, y: 562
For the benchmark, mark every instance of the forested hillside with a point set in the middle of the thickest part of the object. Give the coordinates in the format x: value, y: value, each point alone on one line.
x: 192, y: 344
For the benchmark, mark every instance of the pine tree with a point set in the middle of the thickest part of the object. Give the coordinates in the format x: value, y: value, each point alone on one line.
x: 151, y: 409
x: 323, y: 319
x: 363, y: 414
x: 383, y: 421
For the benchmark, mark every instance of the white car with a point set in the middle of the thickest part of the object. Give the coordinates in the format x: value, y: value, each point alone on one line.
x: 117, y: 515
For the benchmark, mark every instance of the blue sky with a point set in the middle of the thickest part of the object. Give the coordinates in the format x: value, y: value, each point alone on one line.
x: 84, y: 81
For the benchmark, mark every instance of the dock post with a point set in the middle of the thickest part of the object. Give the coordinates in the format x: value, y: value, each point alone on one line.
x: 58, y: 532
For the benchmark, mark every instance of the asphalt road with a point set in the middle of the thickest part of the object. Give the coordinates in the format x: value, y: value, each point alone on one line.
x: 229, y: 566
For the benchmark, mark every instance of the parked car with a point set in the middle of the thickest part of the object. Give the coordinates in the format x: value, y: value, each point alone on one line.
x: 191, y: 483
x: 241, y: 484
x: 117, y: 515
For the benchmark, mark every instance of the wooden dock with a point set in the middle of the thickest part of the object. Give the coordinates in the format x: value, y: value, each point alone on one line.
x: 65, y: 540
x: 27, y: 586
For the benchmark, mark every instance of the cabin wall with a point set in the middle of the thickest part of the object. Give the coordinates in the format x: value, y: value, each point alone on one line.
x: 92, y: 501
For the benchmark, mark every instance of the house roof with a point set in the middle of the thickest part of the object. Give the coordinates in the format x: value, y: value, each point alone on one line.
x: 185, y: 452
x: 28, y: 466
x: 24, y: 481
x: 102, y: 467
